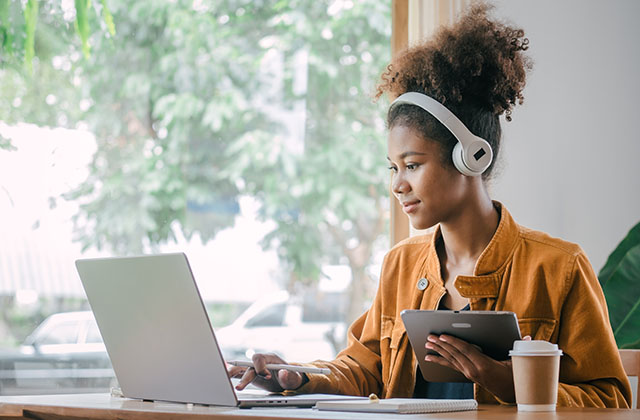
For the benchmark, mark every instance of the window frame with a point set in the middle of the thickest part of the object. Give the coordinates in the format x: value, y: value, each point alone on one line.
x: 412, y: 21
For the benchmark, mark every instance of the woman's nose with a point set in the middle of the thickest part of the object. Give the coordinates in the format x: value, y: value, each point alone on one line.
x: 399, y: 184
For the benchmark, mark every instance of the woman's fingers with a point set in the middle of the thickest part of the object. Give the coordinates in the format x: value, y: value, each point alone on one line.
x: 441, y: 361
x: 462, y: 356
x: 468, y: 359
x: 260, y: 362
x: 289, y: 379
x: 445, y: 354
x: 236, y: 371
x: 248, y: 377
x: 260, y: 376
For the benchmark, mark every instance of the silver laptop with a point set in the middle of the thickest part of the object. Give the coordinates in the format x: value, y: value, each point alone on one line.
x: 158, y: 335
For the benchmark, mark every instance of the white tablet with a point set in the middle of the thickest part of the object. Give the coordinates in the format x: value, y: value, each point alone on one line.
x: 492, y: 331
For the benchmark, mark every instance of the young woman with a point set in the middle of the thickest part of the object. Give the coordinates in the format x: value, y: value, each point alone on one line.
x: 478, y: 257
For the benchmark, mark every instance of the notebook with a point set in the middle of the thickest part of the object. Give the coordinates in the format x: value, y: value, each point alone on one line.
x: 158, y: 335
x: 399, y: 405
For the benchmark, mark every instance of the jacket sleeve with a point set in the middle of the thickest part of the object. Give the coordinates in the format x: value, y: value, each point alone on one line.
x: 591, y: 372
x: 357, y: 369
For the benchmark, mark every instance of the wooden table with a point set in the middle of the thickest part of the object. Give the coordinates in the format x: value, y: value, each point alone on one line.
x: 104, y: 406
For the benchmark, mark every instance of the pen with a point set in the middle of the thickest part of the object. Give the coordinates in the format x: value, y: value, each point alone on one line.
x: 304, y: 369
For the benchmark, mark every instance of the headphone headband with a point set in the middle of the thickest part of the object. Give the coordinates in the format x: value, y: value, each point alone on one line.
x: 472, y: 155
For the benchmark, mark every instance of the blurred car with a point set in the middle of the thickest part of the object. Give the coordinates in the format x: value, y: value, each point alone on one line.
x: 64, y: 354
x: 297, y: 329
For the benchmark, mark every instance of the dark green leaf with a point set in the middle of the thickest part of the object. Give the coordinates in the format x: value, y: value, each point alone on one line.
x: 634, y: 345
x: 5, y: 28
x: 620, y: 278
x: 82, y: 24
x: 31, y: 20
x: 632, y: 239
x: 108, y: 19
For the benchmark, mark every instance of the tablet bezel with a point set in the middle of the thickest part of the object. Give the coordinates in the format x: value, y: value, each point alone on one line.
x: 493, y: 331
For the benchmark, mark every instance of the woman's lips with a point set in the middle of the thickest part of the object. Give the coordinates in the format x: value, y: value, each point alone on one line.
x: 410, y: 206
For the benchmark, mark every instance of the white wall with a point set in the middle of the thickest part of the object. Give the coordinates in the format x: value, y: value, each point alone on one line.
x: 570, y: 165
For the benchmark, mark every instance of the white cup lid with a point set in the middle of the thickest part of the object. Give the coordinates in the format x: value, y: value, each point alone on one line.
x: 534, y: 348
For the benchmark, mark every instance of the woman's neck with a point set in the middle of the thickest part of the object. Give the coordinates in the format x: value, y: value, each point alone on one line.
x: 467, y: 233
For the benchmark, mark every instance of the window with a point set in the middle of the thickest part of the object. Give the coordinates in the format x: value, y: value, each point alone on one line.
x: 272, y: 316
x: 324, y: 307
x: 93, y: 334
x: 64, y: 333
x: 243, y: 134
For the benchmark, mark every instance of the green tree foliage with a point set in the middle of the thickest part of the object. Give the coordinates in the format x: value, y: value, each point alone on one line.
x: 195, y: 103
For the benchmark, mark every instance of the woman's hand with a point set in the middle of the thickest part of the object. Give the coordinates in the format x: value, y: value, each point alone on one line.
x: 273, y: 381
x: 494, y: 376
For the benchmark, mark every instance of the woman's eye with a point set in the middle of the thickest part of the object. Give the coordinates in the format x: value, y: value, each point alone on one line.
x: 411, y: 167
x: 393, y: 169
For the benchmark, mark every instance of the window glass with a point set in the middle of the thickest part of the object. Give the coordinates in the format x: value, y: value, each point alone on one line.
x: 272, y: 316
x: 93, y: 334
x: 324, y: 306
x: 63, y: 333
x: 241, y: 133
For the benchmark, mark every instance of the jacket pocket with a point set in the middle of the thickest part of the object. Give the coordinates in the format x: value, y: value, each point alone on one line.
x: 386, y: 333
x: 391, y: 337
x: 397, y: 334
x: 397, y: 338
x: 537, y: 328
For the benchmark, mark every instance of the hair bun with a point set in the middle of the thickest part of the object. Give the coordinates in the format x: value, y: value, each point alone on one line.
x: 477, y: 62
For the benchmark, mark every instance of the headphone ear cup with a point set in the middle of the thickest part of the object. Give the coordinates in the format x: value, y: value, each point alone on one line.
x: 479, y: 150
x: 458, y: 161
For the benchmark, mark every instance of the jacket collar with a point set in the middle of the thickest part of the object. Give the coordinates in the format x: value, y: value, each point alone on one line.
x: 487, y: 275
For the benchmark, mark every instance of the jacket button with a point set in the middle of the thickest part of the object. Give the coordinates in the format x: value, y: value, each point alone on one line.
x: 422, y: 284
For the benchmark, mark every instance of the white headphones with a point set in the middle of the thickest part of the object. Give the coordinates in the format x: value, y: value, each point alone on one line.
x: 472, y: 155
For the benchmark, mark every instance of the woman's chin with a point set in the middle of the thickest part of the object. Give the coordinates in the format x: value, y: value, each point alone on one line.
x: 421, y: 224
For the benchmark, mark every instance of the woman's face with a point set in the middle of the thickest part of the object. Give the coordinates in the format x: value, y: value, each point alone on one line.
x: 429, y: 191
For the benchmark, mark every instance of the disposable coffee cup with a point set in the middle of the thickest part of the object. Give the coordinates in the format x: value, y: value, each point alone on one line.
x: 536, y: 370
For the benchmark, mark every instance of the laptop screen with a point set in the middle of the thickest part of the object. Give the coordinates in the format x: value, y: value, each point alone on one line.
x: 156, y: 329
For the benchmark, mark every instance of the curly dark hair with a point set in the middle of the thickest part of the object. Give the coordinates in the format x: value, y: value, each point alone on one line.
x: 476, y: 68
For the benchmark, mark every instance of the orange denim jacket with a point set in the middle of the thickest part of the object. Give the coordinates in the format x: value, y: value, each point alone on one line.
x: 548, y: 283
